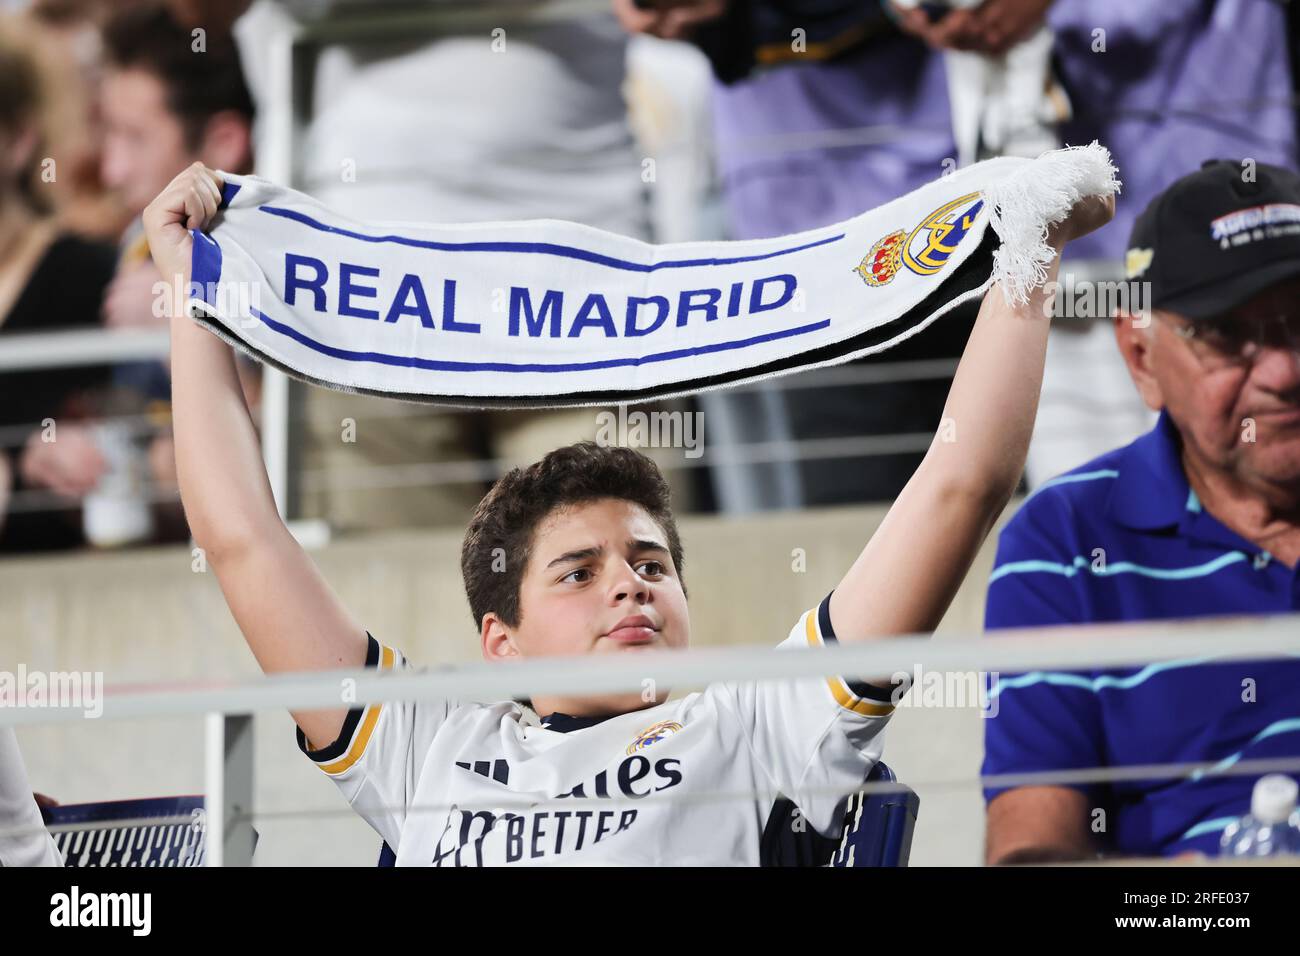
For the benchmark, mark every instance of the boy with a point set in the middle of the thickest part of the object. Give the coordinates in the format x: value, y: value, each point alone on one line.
x: 593, y: 565
x: 24, y: 841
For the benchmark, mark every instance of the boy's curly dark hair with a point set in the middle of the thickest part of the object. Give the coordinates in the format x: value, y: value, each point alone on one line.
x: 508, y: 516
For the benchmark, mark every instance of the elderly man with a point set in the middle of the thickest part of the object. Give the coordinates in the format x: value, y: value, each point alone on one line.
x: 1201, y: 516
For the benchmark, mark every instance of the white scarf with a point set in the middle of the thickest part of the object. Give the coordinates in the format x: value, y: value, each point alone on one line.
x: 549, y: 313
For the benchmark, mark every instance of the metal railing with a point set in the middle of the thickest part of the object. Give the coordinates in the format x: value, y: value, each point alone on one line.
x: 230, y: 707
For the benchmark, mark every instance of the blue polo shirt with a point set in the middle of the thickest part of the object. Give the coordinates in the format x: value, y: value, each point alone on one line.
x: 1161, y: 556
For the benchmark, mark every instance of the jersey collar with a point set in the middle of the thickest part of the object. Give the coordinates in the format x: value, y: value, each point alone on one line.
x: 563, y: 723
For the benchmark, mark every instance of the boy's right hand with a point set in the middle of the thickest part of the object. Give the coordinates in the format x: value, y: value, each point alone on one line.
x: 189, y: 202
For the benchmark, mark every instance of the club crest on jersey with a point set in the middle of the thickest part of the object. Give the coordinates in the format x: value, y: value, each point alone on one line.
x: 927, y: 248
x: 652, y: 734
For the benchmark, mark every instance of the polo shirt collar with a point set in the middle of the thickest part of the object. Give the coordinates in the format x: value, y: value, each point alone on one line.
x: 1151, y: 490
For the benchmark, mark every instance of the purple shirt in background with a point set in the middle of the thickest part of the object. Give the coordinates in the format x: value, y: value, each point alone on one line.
x: 1181, y: 81
x: 805, y: 146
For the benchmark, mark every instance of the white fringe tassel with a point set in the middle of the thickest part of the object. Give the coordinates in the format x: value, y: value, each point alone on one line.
x: 1025, y: 203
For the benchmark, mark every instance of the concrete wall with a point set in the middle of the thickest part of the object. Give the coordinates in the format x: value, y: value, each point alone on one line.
x: 146, y: 616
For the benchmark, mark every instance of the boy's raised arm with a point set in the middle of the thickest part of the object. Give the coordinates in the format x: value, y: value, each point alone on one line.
x: 909, y: 571
x: 289, y: 615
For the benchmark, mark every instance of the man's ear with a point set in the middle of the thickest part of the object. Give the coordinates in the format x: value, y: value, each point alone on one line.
x: 227, y: 142
x: 496, y: 639
x: 1135, y: 334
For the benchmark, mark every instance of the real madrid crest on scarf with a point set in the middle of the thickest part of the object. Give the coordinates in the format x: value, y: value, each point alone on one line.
x: 927, y: 248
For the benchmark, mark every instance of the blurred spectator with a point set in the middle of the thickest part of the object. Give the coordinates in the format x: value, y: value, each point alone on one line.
x: 1006, y: 97
x: 165, y: 105
x: 822, y: 109
x: 52, y: 460
x: 1178, y: 82
x: 169, y: 98
x: 1165, y: 85
x: 69, y: 34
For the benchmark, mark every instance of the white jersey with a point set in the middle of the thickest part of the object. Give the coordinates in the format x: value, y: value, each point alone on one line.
x: 24, y: 841
x: 688, y: 782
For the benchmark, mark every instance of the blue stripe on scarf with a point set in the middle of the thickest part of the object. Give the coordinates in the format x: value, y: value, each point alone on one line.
x: 541, y: 248
x: 443, y: 365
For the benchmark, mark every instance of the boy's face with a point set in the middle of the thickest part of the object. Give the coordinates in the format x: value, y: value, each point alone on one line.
x: 599, y: 580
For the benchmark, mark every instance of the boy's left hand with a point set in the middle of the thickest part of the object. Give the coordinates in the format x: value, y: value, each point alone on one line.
x: 1089, y: 213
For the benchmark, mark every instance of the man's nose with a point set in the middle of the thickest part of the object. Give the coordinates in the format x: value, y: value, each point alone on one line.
x: 629, y: 584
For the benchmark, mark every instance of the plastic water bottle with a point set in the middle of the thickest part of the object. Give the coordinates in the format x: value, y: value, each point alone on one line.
x: 117, y: 512
x: 1272, y: 828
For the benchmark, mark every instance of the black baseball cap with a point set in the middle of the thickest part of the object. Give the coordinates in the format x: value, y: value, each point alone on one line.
x: 1218, y: 237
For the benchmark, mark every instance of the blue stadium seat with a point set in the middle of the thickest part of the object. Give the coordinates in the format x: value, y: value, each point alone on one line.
x: 162, y: 831
x: 878, y: 827
x: 877, y: 831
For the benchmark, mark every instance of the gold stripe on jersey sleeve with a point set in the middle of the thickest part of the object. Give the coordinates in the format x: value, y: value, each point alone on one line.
x: 839, y: 689
x: 362, y: 736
